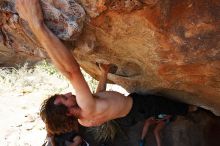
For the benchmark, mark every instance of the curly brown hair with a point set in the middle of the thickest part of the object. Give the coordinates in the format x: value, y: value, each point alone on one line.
x: 55, y: 117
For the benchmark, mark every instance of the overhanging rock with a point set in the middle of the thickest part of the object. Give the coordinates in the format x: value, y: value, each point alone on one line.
x: 166, y: 46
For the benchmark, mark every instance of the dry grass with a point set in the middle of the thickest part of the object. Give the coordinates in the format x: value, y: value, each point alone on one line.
x: 43, y: 77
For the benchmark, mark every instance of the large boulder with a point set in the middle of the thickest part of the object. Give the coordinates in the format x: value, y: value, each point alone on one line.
x: 167, y: 46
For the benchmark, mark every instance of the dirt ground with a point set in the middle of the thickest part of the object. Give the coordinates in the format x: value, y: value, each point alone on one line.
x: 20, y: 123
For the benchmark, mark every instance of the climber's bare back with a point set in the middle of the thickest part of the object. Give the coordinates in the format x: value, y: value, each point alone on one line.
x: 109, y: 105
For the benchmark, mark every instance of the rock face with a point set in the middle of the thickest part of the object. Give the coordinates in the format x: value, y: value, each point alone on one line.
x: 65, y: 18
x: 171, y: 47
x: 166, y: 46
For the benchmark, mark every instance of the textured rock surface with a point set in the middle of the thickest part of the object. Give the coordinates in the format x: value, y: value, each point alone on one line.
x: 168, y: 46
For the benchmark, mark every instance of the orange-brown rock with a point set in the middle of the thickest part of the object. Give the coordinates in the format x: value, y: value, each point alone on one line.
x: 166, y: 46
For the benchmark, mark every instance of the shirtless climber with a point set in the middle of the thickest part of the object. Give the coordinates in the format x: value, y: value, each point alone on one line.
x: 89, y: 109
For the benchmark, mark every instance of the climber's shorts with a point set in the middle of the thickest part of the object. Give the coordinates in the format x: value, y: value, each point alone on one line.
x: 145, y: 106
